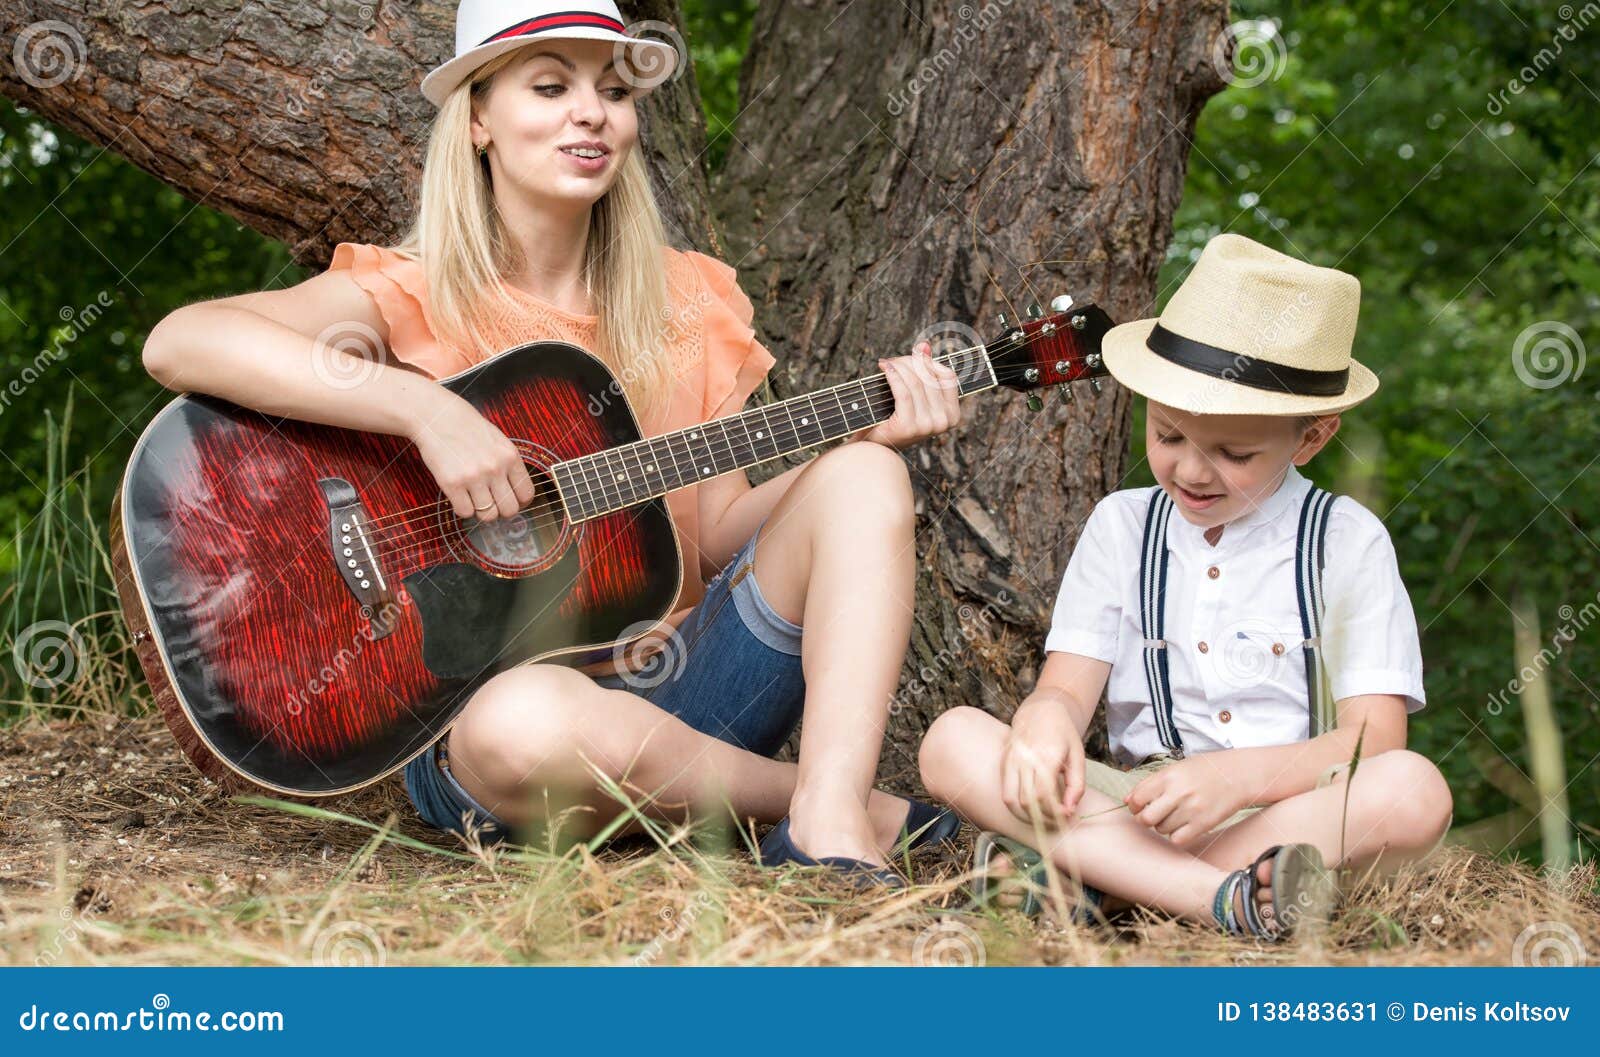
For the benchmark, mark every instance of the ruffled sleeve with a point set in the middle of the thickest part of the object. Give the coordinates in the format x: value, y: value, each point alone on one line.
x: 399, y: 288
x: 735, y: 362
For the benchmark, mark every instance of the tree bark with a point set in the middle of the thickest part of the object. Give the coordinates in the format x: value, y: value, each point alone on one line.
x: 901, y: 164
x: 896, y: 165
x: 300, y: 118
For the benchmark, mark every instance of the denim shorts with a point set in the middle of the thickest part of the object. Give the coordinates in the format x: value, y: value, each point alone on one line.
x: 734, y: 674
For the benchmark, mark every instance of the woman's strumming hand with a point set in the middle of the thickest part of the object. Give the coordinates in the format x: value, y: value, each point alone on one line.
x: 478, y: 469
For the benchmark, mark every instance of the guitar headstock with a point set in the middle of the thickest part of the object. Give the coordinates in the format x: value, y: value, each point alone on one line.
x: 1050, y: 349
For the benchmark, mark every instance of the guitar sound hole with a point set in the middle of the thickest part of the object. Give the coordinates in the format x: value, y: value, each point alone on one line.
x: 526, y: 542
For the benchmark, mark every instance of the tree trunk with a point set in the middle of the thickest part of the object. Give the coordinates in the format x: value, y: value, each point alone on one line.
x: 300, y: 118
x: 896, y: 165
x: 901, y: 164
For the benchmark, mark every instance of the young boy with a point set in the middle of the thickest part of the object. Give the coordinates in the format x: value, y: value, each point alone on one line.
x: 1195, y: 605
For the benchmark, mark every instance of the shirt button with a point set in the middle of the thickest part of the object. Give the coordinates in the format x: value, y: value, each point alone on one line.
x: 1213, y: 572
x: 1204, y: 648
x: 1277, y: 649
x: 1225, y: 716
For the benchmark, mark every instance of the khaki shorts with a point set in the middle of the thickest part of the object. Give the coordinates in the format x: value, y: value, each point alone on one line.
x: 1117, y: 783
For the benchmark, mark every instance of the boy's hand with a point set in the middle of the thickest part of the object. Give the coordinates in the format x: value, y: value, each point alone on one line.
x: 1041, y: 771
x: 1187, y: 799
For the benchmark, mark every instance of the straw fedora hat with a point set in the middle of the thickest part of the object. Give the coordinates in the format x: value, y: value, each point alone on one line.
x: 486, y: 29
x: 1250, y: 332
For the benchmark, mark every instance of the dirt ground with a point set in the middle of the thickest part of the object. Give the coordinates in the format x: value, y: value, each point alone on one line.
x: 114, y: 851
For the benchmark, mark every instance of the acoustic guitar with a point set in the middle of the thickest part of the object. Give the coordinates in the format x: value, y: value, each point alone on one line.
x: 311, y: 614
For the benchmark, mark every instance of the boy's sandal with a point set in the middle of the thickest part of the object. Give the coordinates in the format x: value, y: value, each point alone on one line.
x: 777, y: 848
x: 1031, y: 875
x: 1302, y: 892
x: 926, y: 824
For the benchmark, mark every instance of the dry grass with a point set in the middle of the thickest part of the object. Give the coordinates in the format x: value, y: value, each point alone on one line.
x: 116, y: 853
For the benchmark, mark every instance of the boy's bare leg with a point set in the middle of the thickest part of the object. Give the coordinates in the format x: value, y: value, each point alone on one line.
x: 1399, y: 807
x: 1109, y: 850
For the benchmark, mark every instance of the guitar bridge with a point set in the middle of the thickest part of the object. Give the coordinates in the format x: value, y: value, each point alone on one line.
x: 351, y: 541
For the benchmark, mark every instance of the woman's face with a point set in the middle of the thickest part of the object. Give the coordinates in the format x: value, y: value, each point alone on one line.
x: 559, y: 120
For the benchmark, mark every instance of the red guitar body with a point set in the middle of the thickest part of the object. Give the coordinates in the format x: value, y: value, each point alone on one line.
x: 245, y: 596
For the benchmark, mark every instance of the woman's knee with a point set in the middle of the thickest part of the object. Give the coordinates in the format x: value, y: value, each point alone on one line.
x: 953, y: 747
x: 527, y: 721
x: 866, y: 478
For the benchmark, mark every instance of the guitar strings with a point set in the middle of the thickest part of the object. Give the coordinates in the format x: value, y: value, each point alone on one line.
x: 422, y: 531
x: 397, y: 531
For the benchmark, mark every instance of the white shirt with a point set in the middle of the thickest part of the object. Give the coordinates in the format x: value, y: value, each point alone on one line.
x: 1228, y: 609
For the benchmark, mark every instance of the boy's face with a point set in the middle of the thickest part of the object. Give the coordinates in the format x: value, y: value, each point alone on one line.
x: 1219, y: 467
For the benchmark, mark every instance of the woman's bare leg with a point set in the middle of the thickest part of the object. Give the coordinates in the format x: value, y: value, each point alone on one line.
x: 836, y: 556
x: 529, y: 743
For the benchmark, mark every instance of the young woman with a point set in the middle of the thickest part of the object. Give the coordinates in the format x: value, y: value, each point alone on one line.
x: 536, y: 220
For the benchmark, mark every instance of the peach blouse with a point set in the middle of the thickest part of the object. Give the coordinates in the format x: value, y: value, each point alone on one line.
x: 718, y: 361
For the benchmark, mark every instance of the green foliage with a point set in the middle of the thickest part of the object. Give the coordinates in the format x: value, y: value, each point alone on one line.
x: 718, y: 34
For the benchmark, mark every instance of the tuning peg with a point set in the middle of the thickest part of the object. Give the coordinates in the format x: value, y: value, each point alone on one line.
x: 1061, y: 303
x: 1094, y: 383
x: 1005, y: 324
x: 1066, y: 392
x: 1078, y: 322
x: 1034, y: 311
x: 1034, y: 403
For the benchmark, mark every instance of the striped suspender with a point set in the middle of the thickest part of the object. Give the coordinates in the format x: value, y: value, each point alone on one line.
x: 1310, y: 548
x: 1153, y: 619
x: 1309, y: 559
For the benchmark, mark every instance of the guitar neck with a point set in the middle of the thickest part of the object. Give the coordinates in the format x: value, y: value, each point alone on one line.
x: 617, y: 478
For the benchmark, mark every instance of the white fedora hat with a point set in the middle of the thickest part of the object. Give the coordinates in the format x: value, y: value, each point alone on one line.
x: 486, y: 29
x: 1250, y: 332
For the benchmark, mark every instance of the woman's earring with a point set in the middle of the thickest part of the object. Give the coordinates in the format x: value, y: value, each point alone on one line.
x: 483, y: 149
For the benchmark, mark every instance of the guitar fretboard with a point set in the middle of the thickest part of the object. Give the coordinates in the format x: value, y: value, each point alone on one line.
x: 617, y: 478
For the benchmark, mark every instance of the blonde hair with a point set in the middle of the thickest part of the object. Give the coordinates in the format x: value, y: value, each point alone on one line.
x: 461, y: 240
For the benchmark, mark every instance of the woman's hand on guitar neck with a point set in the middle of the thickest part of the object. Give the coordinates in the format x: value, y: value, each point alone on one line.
x: 477, y: 468
x: 927, y: 399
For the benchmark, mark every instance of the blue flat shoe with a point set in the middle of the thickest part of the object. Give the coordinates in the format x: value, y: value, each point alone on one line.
x: 926, y: 824
x: 778, y: 848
